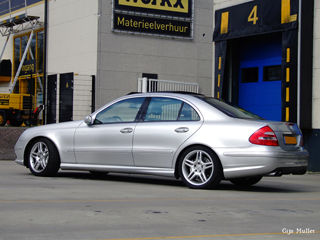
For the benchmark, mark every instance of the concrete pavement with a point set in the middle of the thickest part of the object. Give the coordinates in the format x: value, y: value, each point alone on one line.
x: 76, y: 205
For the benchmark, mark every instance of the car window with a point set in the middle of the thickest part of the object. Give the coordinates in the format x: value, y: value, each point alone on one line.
x: 123, y: 111
x: 230, y: 109
x: 163, y: 109
x: 188, y: 113
x: 169, y: 109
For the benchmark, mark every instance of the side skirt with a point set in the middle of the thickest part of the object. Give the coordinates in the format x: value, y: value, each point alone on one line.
x: 166, y: 172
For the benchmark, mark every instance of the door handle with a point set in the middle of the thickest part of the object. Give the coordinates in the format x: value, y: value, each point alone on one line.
x: 181, y: 130
x: 126, y: 130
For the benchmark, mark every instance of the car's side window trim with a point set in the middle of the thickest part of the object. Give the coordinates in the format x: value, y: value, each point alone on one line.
x: 180, y: 110
x: 143, y: 110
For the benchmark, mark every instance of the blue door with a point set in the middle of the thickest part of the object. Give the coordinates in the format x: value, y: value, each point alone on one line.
x: 260, y: 75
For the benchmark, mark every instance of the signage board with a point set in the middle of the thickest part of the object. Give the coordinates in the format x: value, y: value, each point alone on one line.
x: 4, y: 99
x: 168, y: 18
x: 151, y: 25
x: 180, y: 8
x: 28, y: 68
x: 256, y: 17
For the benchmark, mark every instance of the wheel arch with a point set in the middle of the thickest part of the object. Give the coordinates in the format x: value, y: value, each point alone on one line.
x: 26, y: 150
x: 176, y: 167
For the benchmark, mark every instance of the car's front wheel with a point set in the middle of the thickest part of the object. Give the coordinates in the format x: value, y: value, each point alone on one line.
x: 43, y: 158
x: 200, y: 168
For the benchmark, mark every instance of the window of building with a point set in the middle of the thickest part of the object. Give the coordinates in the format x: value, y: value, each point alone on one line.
x: 272, y: 73
x: 35, y: 52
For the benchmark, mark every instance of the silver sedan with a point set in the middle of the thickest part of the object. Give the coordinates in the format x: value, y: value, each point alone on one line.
x: 199, y: 139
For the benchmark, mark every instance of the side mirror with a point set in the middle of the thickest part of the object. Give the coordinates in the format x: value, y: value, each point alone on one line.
x: 88, y: 120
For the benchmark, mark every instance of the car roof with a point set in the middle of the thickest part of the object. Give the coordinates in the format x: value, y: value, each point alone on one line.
x: 169, y: 92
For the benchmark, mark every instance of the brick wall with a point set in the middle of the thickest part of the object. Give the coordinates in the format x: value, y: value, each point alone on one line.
x: 8, y: 138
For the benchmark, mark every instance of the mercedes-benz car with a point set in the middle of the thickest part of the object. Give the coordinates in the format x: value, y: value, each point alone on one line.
x: 199, y: 139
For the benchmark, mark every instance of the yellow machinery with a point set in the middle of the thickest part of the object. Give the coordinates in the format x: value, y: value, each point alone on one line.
x: 17, y: 107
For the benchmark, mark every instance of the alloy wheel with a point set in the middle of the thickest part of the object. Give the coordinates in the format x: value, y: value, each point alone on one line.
x: 39, y: 156
x: 197, y: 167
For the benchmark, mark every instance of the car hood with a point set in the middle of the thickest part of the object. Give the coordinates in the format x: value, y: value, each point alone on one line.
x: 50, y: 128
x: 56, y: 126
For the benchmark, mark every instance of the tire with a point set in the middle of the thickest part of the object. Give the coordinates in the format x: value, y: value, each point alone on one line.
x: 3, y: 118
x: 15, y: 122
x: 29, y: 122
x: 246, y: 182
x: 43, y: 158
x: 200, y: 168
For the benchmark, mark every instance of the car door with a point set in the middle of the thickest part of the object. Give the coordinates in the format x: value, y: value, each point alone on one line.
x: 108, y: 141
x: 167, y: 123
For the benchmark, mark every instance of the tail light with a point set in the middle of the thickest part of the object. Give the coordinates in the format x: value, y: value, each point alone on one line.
x: 301, y: 142
x: 264, y: 136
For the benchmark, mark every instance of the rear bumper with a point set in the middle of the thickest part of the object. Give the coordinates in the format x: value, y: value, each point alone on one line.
x: 287, y: 170
x: 271, y: 163
x: 271, y: 154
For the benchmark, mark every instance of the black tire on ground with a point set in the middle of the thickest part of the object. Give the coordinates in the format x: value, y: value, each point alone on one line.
x: 15, y: 122
x: 200, y: 168
x: 246, y: 182
x: 3, y: 118
x: 29, y: 122
x: 43, y: 158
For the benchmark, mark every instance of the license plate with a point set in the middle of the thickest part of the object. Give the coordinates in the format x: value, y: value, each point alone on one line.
x: 290, y: 140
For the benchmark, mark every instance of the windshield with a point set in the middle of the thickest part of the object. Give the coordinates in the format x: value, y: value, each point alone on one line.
x: 229, y: 108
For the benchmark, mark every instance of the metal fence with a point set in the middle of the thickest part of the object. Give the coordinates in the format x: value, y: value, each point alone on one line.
x: 157, y: 85
x: 69, y: 97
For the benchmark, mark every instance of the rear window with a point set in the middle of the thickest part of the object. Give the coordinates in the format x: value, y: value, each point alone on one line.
x: 230, y: 109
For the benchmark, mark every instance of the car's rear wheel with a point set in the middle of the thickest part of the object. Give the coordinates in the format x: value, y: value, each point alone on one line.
x: 43, y: 158
x: 246, y: 182
x: 200, y: 168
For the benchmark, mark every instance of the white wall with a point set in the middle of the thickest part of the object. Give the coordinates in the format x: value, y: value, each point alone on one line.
x: 73, y: 46
x: 72, y: 36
